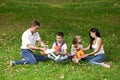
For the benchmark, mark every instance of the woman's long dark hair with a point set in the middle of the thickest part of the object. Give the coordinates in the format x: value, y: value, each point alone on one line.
x: 97, y: 33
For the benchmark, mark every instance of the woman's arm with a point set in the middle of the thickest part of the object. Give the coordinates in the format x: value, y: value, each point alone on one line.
x: 87, y: 48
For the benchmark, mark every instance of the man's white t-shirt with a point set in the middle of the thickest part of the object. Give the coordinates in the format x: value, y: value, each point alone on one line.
x: 29, y: 38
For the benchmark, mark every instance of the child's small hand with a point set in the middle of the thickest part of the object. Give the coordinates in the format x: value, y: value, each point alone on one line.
x: 56, y: 52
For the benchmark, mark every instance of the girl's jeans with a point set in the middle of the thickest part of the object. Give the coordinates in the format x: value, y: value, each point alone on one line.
x: 29, y: 57
x: 97, y: 59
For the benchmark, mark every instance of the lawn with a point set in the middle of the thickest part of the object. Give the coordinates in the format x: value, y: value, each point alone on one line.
x: 69, y: 16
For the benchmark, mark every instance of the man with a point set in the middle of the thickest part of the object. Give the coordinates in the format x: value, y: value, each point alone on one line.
x: 29, y: 38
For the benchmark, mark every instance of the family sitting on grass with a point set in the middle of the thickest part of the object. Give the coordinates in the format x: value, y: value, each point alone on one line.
x: 58, y: 52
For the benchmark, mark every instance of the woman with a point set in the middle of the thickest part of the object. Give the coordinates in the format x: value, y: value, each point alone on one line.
x: 98, y: 55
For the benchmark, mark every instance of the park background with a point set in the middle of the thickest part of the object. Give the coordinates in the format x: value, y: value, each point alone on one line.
x: 69, y: 16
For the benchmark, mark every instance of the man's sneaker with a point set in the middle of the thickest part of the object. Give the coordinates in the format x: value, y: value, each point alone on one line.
x: 12, y: 63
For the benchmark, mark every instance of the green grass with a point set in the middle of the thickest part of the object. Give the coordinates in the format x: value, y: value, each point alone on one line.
x: 70, y: 16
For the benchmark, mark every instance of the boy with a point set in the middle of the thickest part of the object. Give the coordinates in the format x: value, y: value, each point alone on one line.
x: 62, y: 52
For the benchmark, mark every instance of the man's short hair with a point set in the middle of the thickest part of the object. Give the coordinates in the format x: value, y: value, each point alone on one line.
x: 34, y: 23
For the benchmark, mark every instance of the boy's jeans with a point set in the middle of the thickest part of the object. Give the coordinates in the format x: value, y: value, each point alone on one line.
x: 62, y: 58
x: 29, y: 57
x: 97, y: 59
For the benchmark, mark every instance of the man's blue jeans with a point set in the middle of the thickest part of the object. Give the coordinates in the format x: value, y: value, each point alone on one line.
x: 29, y: 57
x: 97, y: 59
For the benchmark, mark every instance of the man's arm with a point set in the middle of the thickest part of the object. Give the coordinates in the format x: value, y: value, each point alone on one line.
x: 41, y: 43
x: 30, y: 46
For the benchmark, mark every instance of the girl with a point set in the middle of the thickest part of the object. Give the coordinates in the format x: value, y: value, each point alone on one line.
x: 75, y: 48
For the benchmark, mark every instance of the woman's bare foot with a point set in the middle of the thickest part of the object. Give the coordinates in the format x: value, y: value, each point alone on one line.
x: 105, y: 65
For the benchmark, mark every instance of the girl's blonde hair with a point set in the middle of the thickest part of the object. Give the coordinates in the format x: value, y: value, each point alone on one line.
x: 78, y: 37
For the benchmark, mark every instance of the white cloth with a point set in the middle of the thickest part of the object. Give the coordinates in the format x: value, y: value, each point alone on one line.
x: 29, y: 38
x: 101, y: 51
x: 63, y: 48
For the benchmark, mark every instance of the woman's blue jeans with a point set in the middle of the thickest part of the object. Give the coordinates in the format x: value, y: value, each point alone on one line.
x: 97, y: 59
x: 29, y: 57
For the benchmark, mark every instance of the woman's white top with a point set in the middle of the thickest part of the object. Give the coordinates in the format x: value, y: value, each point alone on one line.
x: 94, y: 46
